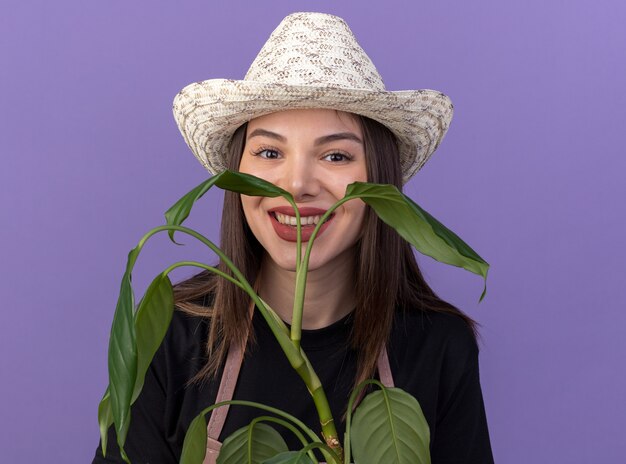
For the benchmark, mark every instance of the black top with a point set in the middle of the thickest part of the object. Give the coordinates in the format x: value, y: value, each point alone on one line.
x: 433, y: 356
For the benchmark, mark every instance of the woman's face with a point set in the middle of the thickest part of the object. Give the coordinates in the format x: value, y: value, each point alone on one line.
x: 313, y: 154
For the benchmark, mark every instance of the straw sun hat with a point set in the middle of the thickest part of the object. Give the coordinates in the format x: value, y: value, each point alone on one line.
x: 311, y: 60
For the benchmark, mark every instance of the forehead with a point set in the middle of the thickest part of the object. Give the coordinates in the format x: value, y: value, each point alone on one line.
x: 310, y: 120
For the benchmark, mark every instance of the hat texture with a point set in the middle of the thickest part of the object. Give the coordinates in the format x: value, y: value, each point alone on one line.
x: 311, y: 60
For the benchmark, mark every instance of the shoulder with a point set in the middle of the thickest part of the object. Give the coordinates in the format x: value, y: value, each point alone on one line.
x: 184, y: 346
x: 186, y: 328
x: 438, y: 341
x: 434, y: 357
x: 432, y: 327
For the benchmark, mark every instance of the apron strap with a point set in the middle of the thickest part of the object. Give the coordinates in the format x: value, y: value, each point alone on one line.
x: 384, y: 369
x: 228, y: 383
x: 225, y: 393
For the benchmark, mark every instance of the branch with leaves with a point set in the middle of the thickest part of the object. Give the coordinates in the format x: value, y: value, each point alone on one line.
x: 388, y: 425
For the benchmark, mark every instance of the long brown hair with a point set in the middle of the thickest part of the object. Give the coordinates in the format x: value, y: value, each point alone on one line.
x: 387, y: 274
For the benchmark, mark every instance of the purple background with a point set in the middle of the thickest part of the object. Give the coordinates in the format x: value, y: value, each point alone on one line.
x: 531, y: 174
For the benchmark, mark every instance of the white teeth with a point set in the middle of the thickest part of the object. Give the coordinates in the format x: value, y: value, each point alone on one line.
x: 292, y: 221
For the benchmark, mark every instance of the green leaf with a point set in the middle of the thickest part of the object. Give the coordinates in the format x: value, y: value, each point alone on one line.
x: 389, y: 427
x: 194, y: 446
x: 151, y: 322
x: 105, y: 419
x: 177, y: 214
x: 133, y: 344
x: 247, y: 184
x: 122, y: 358
x: 252, y: 444
x: 289, y: 457
x: 131, y: 260
x: 418, y: 227
x: 228, y: 180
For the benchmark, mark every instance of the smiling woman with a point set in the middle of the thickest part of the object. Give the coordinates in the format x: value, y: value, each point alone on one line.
x: 322, y: 123
x: 314, y: 154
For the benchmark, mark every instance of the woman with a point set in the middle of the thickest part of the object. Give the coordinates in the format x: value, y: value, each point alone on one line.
x: 311, y: 116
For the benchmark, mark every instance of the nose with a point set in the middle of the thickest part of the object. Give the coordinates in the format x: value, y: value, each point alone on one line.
x: 300, y: 178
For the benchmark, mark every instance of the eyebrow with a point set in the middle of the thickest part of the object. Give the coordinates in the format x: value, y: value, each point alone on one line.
x: 266, y: 133
x: 338, y: 136
x: 319, y: 141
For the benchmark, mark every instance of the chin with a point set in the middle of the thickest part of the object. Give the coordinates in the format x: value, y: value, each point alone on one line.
x: 285, y: 260
x: 286, y: 265
x: 318, y: 260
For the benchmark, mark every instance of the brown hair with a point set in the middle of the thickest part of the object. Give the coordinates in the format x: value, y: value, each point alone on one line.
x: 381, y: 252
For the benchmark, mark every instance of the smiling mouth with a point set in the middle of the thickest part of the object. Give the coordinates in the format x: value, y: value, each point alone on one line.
x: 285, y: 225
x: 285, y: 219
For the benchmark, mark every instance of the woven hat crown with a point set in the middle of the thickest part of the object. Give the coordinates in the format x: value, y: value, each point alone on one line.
x: 311, y: 60
x: 315, y: 50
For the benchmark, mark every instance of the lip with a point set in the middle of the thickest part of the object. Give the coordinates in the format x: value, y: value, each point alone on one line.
x: 289, y: 233
x: 304, y: 211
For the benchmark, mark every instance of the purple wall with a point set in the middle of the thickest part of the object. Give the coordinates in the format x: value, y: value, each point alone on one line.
x: 531, y: 174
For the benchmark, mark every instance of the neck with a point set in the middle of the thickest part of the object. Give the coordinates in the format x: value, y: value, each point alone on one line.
x: 329, y: 291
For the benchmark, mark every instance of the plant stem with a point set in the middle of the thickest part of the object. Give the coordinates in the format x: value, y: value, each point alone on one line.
x: 306, y: 371
x: 298, y: 234
x: 296, y: 313
x: 314, y: 438
x: 294, y: 355
x: 289, y: 426
x: 324, y: 448
x: 203, y: 266
x: 298, y: 303
x: 316, y: 389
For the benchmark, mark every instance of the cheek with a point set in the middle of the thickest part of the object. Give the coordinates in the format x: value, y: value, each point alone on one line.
x: 245, y: 164
x: 253, y: 166
x: 361, y: 209
x: 355, y: 219
x: 248, y: 204
x: 340, y: 184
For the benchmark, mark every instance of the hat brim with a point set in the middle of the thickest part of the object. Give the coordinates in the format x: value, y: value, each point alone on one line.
x: 209, y: 112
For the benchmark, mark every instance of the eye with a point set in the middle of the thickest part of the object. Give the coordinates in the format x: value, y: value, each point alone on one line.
x: 337, y: 157
x: 267, y: 153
